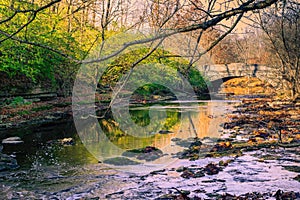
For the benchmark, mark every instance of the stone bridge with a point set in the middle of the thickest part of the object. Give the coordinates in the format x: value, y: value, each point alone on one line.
x: 218, y: 74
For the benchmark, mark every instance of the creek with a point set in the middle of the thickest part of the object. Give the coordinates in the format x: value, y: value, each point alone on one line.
x: 51, y: 169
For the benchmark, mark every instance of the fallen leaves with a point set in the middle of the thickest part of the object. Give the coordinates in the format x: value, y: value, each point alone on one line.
x: 222, y: 146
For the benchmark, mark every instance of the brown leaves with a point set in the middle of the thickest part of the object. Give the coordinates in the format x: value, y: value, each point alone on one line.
x: 222, y: 146
x: 264, y: 119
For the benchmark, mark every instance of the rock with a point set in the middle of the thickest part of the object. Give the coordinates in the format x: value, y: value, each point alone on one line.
x: 212, y: 169
x: 187, y: 174
x: 167, y: 197
x: 196, y: 143
x: 178, y: 139
x: 181, y: 169
x: 192, y: 173
x: 148, y: 153
x: 222, y: 163
x: 225, y: 163
x: 157, y: 171
x: 3, y: 117
x: 7, y: 162
x: 12, y: 140
x: 222, y: 146
x: 286, y: 195
x: 297, y: 178
x: 164, y: 132
x: 67, y: 141
x: 119, y: 161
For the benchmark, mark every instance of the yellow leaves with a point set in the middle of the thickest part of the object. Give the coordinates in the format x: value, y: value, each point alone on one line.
x: 233, y: 116
x: 246, y: 85
x: 261, y: 134
x: 270, y: 124
x: 289, y: 140
x: 260, y: 131
x: 262, y: 112
x: 222, y: 146
x: 225, y: 144
x: 236, y: 128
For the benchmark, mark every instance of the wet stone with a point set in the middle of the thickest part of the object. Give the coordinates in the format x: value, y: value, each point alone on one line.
x: 119, y: 161
x: 287, y: 195
x: 157, y: 171
x: 181, y: 169
x: 222, y: 146
x: 292, y: 168
x: 192, y: 173
x: 212, y: 169
x: 183, y: 195
x: 297, y: 178
x: 148, y: 153
x: 165, y: 132
x: 7, y: 162
x: 12, y: 140
x: 67, y: 141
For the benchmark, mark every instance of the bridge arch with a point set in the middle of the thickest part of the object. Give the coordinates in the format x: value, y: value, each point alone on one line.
x: 218, y: 74
x: 216, y: 84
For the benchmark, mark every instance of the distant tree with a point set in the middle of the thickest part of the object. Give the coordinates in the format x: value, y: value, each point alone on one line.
x: 226, y: 51
x: 281, y: 26
x: 250, y: 46
x: 206, y: 23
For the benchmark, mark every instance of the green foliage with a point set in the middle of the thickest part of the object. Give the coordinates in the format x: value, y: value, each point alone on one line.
x: 41, y: 108
x: 154, y: 89
x: 173, y: 118
x: 49, y: 29
x: 140, y: 117
x: 197, y: 80
x: 159, y: 60
x: 17, y: 101
x: 35, y: 63
x: 123, y: 63
x: 23, y: 112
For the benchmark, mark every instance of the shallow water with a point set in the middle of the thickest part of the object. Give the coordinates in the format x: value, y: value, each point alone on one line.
x: 51, y: 170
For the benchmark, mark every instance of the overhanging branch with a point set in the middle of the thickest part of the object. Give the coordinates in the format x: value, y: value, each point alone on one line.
x: 245, y: 7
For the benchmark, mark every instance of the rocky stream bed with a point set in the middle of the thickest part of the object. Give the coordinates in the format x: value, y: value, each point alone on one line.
x: 256, y: 157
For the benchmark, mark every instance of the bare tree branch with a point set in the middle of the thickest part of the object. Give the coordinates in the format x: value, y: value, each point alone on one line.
x: 205, y: 25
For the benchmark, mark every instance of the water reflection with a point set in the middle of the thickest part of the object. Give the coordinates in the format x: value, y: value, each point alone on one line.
x: 48, y: 166
x: 155, y: 125
x: 152, y: 125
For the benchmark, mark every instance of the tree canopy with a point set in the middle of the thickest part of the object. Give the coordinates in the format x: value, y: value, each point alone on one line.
x: 49, y: 39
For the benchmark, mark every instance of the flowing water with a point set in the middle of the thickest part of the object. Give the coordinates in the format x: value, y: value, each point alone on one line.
x: 49, y: 169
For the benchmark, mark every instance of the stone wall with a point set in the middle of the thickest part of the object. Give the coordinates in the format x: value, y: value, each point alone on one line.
x: 218, y: 73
